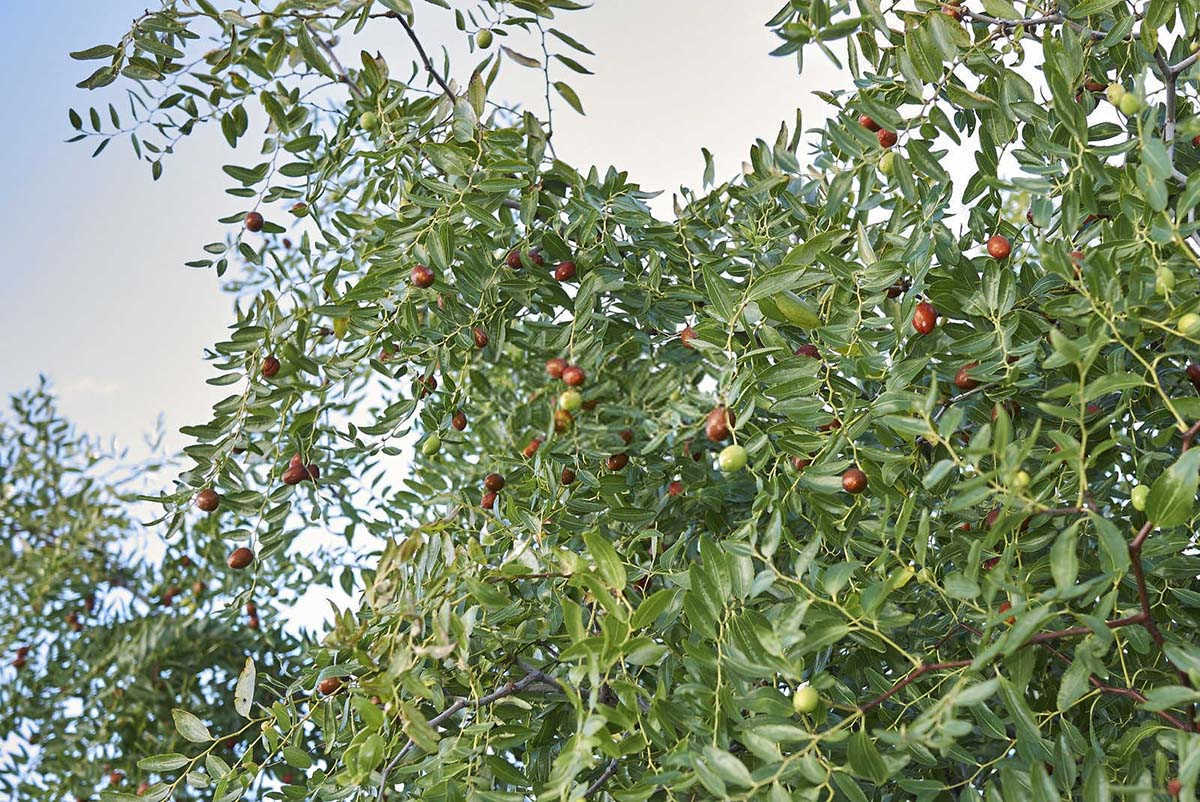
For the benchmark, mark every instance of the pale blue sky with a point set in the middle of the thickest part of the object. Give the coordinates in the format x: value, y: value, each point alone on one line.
x: 95, y: 291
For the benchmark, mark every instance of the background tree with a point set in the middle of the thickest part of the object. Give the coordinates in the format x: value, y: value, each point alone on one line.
x: 925, y: 563
x: 102, y: 638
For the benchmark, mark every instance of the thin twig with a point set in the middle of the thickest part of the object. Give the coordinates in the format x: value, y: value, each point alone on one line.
x: 508, y: 689
x: 342, y: 75
x: 916, y: 673
x: 609, y: 771
x: 424, y: 56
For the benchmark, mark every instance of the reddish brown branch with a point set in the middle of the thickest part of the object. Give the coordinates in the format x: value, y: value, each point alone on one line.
x: 909, y: 677
x: 1190, y: 435
x: 1070, y: 632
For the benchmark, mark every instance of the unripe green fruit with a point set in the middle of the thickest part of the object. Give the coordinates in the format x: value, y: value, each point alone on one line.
x: 1189, y: 324
x: 570, y: 400
x: 805, y: 700
x: 483, y: 38
x: 1138, y: 496
x: 432, y: 445
x: 369, y: 120
x: 732, y: 459
x: 1115, y: 92
x: 1020, y: 480
x: 887, y: 163
x: 1164, y: 281
x: 341, y: 325
x: 1130, y: 104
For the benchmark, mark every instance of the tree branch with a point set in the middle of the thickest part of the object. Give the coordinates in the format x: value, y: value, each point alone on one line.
x: 424, y: 56
x: 342, y: 75
x: 916, y: 673
x: 507, y: 689
x: 609, y: 771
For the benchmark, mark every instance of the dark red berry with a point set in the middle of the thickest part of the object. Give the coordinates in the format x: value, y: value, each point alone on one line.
x: 854, y: 481
x: 494, y: 481
x: 240, y: 557
x: 208, y: 500
x: 270, y: 367
x: 254, y: 222
x: 421, y: 276
x: 565, y: 271
x: 481, y: 337
x: 555, y: 367
x: 573, y: 376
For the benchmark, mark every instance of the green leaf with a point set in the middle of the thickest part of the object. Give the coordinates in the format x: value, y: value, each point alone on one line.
x: 1173, y: 494
x: 168, y: 761
x: 568, y: 94
x: 243, y: 694
x: 608, y: 562
x: 190, y: 727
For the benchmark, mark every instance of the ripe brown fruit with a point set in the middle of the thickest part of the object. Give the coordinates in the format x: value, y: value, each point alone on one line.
x: 1193, y: 373
x: 427, y: 384
x: 829, y: 427
x: 240, y: 557
x: 329, y: 685
x: 459, y: 421
x: 294, y: 475
x: 866, y: 122
x: 562, y: 420
x: 998, y: 247
x: 953, y: 11
x: 481, y: 337
x: 514, y: 258
x: 312, y: 472
x: 565, y: 271
x: 718, y: 423
x: 924, y: 318
x: 808, y: 350
x: 532, y: 448
x: 142, y: 788
x: 574, y: 376
x: 990, y: 520
x: 198, y: 587
x: 1004, y: 607
x: 115, y: 777
x: 799, y: 463
x: 555, y: 367
x: 254, y: 222
x: 421, y: 276
x: 208, y: 500
x: 1196, y: 140
x: 990, y: 563
x: 854, y: 481
x: 898, y: 289
x: 270, y: 367
x: 488, y: 501
x: 886, y: 138
x: 567, y: 476
x: 1174, y: 786
x: 962, y: 379
x: 686, y: 336
x: 251, y: 608
x: 494, y: 481
x: 252, y: 622
x: 675, y: 488
x: 1092, y: 85
x: 616, y: 462
x: 627, y: 436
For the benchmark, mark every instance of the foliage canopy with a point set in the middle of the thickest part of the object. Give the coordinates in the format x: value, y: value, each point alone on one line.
x: 991, y: 617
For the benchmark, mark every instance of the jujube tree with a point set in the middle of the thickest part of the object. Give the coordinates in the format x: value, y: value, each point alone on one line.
x: 821, y: 487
